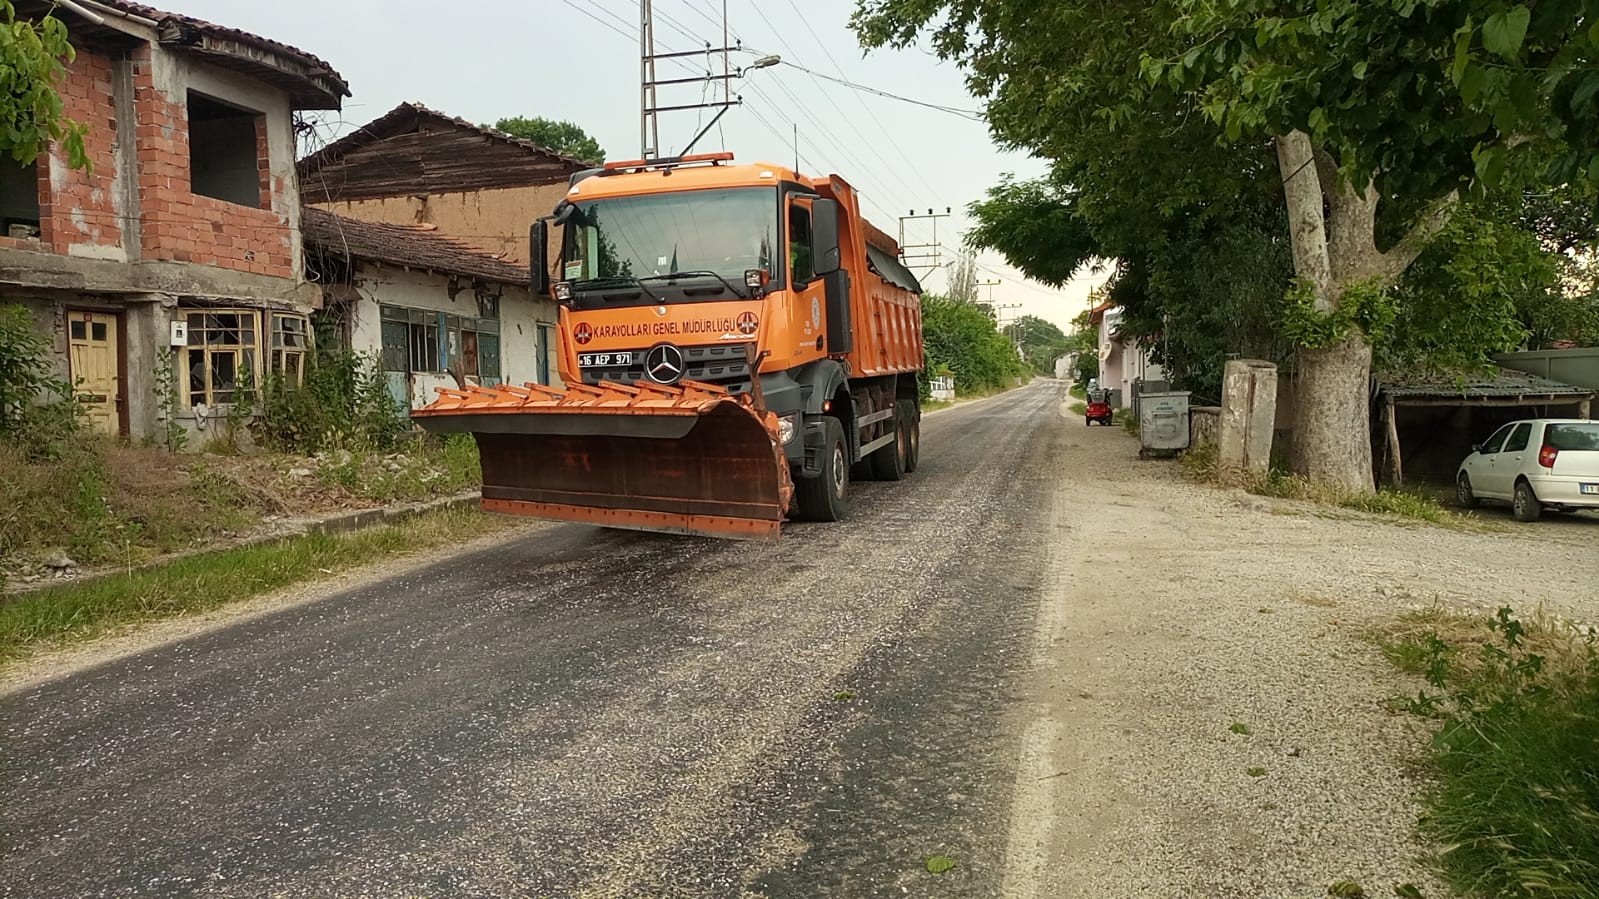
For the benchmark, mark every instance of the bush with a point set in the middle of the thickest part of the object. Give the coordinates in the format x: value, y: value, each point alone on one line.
x: 1516, y: 800
x: 342, y: 403
x: 961, y: 337
x: 37, y: 410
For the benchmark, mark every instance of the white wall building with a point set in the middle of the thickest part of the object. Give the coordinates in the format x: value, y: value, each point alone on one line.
x: 426, y: 305
x: 1121, y: 360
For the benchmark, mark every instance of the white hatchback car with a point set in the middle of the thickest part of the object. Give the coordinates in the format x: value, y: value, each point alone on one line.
x: 1536, y: 464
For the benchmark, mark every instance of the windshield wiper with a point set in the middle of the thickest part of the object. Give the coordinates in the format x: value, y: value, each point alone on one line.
x: 616, y: 281
x: 669, y: 277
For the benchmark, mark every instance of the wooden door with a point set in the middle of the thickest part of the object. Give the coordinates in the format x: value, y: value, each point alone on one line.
x: 95, y: 346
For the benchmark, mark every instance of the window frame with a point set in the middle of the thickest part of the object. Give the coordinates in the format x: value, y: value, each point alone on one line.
x: 246, y: 356
x: 1523, y: 430
x: 808, y: 243
x: 443, y: 339
x: 1489, y: 447
x: 284, y: 358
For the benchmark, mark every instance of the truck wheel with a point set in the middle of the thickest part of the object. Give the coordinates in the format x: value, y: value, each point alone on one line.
x: 823, y: 498
x: 912, y: 421
x: 888, y: 463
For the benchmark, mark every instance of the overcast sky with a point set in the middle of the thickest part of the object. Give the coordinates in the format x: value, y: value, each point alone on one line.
x: 578, y: 60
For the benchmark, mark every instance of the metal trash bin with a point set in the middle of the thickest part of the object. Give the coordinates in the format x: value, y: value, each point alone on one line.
x: 1163, y: 421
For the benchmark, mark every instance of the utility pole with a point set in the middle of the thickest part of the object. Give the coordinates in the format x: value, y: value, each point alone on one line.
x: 926, y: 251
x: 650, y: 84
x: 649, y: 126
x: 990, y: 285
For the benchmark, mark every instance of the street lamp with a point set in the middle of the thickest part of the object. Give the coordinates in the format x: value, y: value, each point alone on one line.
x: 762, y: 62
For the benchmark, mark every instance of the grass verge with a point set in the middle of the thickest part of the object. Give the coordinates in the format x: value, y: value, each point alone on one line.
x: 1515, y: 758
x: 1201, y: 464
x: 61, y: 615
x: 99, y: 503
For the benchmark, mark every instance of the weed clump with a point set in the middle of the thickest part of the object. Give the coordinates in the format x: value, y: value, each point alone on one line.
x: 1516, y: 753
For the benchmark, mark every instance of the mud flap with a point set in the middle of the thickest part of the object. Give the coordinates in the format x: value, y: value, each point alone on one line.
x: 690, y: 460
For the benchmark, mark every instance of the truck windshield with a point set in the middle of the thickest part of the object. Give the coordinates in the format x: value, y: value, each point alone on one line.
x: 725, y: 231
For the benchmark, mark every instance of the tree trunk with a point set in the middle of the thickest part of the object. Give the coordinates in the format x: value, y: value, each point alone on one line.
x: 1332, y: 422
x: 1332, y: 227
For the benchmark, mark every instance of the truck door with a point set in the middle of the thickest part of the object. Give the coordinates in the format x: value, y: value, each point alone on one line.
x: 806, y: 321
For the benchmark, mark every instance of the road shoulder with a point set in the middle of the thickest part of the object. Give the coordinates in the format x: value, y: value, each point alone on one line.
x: 1205, y: 714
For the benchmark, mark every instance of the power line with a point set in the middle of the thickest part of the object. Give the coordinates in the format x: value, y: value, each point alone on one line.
x: 970, y: 114
x: 870, y: 145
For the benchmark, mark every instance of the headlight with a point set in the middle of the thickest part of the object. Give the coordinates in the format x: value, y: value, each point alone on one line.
x: 787, y: 427
x: 563, y: 291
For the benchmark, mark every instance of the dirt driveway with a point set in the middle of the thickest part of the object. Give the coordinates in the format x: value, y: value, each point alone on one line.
x: 1206, y: 717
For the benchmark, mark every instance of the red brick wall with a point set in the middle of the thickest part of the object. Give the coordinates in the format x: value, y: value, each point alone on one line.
x: 84, y: 211
x: 182, y: 227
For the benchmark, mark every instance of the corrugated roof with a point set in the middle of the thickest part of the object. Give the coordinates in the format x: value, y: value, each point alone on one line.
x: 176, y: 29
x: 405, y: 245
x: 1499, y: 384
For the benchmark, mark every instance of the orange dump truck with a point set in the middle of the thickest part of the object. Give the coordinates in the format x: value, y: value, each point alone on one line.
x: 737, y: 343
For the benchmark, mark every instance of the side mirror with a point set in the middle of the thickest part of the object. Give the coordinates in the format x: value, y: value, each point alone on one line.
x: 1476, y: 448
x: 824, y: 236
x: 538, y: 258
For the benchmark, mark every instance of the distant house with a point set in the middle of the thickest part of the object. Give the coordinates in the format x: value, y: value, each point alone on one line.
x: 179, y: 250
x: 428, y: 306
x: 1122, y: 362
x: 417, y: 166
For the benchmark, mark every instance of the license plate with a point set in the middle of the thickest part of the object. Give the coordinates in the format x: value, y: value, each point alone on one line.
x: 591, y: 360
x: 1590, y: 488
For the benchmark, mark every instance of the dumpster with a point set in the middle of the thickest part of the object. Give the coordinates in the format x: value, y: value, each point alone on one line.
x: 1163, y: 422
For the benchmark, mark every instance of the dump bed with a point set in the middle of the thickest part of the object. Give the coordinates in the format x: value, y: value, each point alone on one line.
x: 885, y: 302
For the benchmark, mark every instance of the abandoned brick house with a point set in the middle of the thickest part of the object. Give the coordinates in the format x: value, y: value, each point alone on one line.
x: 481, y: 189
x: 179, y: 250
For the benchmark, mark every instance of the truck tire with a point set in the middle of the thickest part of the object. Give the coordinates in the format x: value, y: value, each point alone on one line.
x: 888, y: 463
x: 824, y: 497
x: 912, y: 418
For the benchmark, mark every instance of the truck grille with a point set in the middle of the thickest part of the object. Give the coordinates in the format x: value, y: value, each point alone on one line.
x: 721, y: 364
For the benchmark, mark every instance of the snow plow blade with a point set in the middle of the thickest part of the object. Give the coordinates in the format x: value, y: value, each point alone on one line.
x: 690, y: 459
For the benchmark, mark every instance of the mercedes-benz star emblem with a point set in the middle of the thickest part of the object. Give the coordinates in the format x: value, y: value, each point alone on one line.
x: 663, y: 364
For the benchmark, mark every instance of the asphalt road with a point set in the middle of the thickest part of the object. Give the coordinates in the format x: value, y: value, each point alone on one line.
x: 581, y: 713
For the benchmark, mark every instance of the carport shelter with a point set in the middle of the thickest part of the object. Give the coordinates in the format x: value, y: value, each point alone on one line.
x: 1430, y: 422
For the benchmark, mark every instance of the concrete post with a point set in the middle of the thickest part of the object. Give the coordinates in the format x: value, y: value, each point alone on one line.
x: 1248, y: 412
x: 147, y: 317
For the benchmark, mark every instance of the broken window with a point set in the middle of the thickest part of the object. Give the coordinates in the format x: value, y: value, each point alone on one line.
x: 220, y: 357
x: 425, y: 346
x: 224, y: 161
x: 291, y: 340
x: 19, y: 199
x: 411, y: 343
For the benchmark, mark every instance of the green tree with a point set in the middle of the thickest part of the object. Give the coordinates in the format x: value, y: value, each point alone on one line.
x: 1376, y: 113
x: 565, y: 138
x: 33, y: 58
x: 959, y: 337
x: 1040, y: 342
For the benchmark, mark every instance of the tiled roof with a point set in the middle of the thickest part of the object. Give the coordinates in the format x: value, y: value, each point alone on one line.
x: 405, y: 245
x: 1499, y: 384
x: 174, y: 26
x: 402, y: 118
